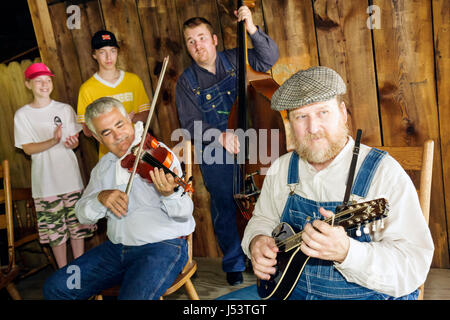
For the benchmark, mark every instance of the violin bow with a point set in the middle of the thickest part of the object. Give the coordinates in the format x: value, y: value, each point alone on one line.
x: 147, y: 124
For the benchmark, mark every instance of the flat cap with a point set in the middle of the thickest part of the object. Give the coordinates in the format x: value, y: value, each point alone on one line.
x: 308, y: 86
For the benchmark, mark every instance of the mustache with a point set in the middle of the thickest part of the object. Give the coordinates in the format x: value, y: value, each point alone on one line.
x: 312, y: 136
x: 121, y: 140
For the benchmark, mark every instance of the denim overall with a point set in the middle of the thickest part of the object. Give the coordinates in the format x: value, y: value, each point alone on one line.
x: 319, y: 279
x: 215, y: 103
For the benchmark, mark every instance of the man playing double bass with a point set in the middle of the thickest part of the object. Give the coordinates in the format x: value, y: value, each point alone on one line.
x: 205, y: 94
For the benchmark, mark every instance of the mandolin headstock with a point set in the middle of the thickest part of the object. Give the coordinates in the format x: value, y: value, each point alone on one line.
x: 358, y: 214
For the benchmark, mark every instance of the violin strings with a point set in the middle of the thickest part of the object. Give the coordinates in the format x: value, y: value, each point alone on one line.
x: 155, y: 163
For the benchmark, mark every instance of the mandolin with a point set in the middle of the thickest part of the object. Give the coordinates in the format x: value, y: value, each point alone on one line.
x: 291, y: 260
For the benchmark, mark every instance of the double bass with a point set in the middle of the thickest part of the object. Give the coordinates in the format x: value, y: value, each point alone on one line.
x: 251, y: 110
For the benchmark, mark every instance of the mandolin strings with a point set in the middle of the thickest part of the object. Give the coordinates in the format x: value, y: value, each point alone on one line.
x: 296, y: 238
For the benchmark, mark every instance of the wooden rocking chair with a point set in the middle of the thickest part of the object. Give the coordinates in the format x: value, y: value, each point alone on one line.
x: 419, y: 159
x: 26, y: 230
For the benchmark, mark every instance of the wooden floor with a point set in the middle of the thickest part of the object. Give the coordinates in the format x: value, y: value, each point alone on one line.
x: 437, y: 286
x: 210, y: 283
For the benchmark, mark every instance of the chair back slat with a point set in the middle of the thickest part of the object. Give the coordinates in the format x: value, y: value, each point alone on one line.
x: 410, y: 158
x: 418, y: 159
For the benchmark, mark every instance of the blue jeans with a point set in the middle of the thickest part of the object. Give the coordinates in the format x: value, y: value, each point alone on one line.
x: 143, y: 272
x: 218, y: 179
x: 251, y: 293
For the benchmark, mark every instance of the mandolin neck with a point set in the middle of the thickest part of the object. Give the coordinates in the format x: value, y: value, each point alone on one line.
x: 353, y: 216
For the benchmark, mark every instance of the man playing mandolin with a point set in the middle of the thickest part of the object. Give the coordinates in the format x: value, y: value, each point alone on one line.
x: 146, y: 247
x: 205, y: 95
x: 388, y: 259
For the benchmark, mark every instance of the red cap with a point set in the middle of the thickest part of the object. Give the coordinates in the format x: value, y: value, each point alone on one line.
x: 36, y: 70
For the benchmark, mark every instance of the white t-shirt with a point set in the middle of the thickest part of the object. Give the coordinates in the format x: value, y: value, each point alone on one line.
x: 54, y: 171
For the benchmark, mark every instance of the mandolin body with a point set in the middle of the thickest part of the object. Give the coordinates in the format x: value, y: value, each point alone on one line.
x: 289, y: 268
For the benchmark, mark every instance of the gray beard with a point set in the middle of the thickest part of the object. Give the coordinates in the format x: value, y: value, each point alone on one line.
x: 335, y: 145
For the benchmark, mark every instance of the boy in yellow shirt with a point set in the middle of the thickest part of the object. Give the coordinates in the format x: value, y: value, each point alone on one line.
x: 109, y: 81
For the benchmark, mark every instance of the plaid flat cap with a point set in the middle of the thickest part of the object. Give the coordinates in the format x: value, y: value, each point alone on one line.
x: 308, y: 86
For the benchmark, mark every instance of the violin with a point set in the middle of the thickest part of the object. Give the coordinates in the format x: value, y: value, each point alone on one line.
x: 154, y: 156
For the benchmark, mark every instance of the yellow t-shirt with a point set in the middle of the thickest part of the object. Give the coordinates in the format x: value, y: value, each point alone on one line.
x: 128, y: 89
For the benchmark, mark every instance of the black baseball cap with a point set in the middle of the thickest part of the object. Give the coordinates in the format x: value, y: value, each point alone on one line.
x: 102, y: 39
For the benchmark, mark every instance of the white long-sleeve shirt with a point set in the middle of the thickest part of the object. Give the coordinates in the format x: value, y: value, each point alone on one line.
x: 150, y: 217
x: 397, y: 260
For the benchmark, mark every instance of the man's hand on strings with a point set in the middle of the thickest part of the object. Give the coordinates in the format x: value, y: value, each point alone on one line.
x: 264, y: 253
x: 323, y: 241
x: 164, y: 182
x: 114, y: 200
x: 230, y: 142
x: 244, y: 13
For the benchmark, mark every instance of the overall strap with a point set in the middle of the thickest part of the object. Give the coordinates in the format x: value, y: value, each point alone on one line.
x: 193, y: 82
x: 367, y: 172
x: 226, y: 63
x: 293, y: 169
x: 192, y: 79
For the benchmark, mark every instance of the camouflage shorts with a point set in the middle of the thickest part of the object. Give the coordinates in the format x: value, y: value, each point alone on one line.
x: 57, y: 221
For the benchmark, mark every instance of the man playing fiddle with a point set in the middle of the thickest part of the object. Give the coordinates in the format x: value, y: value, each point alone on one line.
x: 146, y: 247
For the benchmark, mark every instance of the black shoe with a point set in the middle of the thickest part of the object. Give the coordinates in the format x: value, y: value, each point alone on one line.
x: 234, y: 278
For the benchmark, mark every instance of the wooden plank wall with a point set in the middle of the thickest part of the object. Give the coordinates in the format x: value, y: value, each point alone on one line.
x: 397, y: 71
x: 14, y: 95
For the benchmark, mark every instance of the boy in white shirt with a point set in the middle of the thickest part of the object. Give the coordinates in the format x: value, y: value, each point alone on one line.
x: 46, y: 130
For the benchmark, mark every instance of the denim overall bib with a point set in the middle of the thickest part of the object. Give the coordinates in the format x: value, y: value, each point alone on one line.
x: 319, y: 279
x: 215, y: 103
